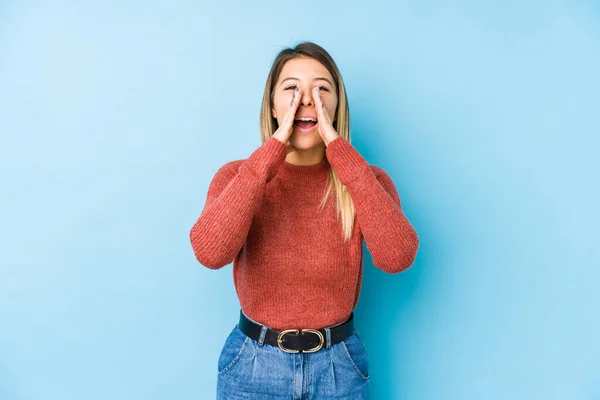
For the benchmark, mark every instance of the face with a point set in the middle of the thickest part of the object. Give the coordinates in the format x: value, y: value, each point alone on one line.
x: 305, y: 73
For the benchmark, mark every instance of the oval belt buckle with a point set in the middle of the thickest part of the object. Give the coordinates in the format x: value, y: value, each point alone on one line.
x: 296, y: 331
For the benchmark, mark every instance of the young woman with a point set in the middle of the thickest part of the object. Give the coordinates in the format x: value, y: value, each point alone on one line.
x: 292, y: 218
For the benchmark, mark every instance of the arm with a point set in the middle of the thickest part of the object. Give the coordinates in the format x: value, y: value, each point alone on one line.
x: 233, y: 197
x: 390, y: 237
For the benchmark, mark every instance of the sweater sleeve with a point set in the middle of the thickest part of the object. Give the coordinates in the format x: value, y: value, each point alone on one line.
x: 233, y: 197
x: 390, y: 237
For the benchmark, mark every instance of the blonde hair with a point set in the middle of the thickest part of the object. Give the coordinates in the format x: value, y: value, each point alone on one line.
x: 268, y: 124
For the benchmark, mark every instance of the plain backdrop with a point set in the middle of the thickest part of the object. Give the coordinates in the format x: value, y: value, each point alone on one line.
x: 115, y: 115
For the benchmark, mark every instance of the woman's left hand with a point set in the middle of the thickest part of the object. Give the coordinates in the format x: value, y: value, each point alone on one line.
x: 325, y: 128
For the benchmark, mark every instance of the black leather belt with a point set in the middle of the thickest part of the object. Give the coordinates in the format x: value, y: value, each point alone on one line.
x: 298, y: 340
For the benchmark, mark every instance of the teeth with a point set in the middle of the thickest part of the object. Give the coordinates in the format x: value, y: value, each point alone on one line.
x: 307, y: 119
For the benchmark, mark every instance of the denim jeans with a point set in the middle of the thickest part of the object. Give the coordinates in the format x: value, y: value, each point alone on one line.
x: 248, y: 369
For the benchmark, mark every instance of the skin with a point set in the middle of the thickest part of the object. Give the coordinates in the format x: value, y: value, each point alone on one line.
x: 305, y: 95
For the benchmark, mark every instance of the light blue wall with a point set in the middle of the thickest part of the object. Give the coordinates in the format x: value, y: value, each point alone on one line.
x: 115, y: 115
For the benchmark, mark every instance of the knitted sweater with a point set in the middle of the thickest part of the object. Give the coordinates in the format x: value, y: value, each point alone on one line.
x: 291, y: 266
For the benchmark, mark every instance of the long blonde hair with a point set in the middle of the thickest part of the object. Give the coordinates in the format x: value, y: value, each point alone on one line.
x: 268, y: 125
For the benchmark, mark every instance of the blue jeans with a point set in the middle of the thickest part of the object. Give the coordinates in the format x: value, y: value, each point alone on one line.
x: 248, y: 369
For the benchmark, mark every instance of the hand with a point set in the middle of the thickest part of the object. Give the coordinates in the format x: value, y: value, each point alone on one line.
x: 325, y: 128
x: 286, y: 128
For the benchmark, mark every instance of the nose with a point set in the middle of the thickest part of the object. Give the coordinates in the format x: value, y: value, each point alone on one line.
x: 306, y: 97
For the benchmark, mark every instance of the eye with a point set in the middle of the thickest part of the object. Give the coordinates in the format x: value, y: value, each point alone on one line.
x: 294, y: 86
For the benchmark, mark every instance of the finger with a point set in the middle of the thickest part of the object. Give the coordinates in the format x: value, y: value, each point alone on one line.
x: 321, y: 114
x: 293, y: 97
x: 291, y: 113
x: 318, y: 102
x: 317, y: 95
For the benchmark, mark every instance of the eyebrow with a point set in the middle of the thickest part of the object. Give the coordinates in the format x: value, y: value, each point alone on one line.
x: 316, y: 79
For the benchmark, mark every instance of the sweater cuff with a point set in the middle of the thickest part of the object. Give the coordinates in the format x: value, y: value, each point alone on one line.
x: 346, y: 161
x: 265, y: 161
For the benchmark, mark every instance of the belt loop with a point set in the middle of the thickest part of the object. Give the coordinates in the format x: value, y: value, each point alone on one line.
x: 328, y: 338
x: 263, y: 332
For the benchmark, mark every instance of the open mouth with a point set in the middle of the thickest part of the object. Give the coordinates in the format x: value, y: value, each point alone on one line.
x: 305, y: 126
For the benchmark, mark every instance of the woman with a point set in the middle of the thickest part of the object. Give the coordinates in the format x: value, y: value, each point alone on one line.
x: 296, y: 248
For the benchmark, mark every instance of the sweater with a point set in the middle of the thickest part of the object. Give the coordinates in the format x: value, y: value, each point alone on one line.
x: 292, y: 268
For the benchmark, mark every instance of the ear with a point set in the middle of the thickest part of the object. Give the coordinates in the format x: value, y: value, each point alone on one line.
x: 273, y: 114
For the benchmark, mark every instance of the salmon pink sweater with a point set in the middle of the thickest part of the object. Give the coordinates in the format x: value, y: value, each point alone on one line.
x: 292, y: 268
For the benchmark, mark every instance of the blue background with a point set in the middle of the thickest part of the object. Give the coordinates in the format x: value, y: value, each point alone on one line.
x: 114, y: 117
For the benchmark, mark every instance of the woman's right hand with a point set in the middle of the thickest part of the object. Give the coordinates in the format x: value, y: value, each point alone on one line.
x: 285, y: 129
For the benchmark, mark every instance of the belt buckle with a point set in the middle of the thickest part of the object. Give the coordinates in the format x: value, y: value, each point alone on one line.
x: 296, y: 331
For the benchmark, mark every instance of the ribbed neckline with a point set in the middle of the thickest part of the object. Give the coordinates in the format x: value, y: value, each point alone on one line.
x: 304, y: 172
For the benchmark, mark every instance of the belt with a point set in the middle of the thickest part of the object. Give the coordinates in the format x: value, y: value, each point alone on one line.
x: 297, y: 340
